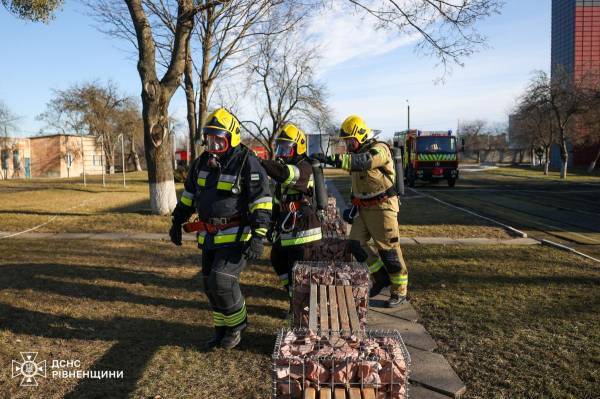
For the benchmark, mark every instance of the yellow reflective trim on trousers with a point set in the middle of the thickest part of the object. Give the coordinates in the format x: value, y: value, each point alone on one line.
x: 236, y: 318
x: 268, y: 206
x: 201, y: 182
x: 224, y: 185
x: 201, y: 237
x: 399, y: 280
x: 227, y: 238
x: 301, y: 240
x: 375, y: 266
x: 186, y: 201
x: 218, y: 319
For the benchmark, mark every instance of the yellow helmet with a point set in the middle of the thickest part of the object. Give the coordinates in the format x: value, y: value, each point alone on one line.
x: 222, y: 122
x: 354, y: 127
x: 290, y: 133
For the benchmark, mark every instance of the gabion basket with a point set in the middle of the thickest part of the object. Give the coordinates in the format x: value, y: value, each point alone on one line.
x: 354, y: 274
x: 377, y: 360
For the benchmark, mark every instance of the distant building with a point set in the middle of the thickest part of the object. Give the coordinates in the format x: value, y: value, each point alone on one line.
x: 14, y: 158
x: 576, y: 36
x: 58, y: 155
x: 576, y: 49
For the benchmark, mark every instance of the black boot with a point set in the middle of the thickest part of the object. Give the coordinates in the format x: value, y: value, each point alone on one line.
x: 231, y: 339
x: 216, y: 340
x: 380, y: 280
x: 396, y: 300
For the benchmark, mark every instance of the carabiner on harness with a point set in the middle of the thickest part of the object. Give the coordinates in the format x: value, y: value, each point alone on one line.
x: 293, y: 213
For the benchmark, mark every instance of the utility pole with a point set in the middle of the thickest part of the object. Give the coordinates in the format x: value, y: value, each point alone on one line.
x: 408, y: 115
x: 83, y: 160
x: 123, y: 158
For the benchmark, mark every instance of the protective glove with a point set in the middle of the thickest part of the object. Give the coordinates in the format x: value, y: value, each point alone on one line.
x: 349, y: 214
x: 332, y: 161
x: 254, y: 249
x: 175, y: 233
x: 271, y: 235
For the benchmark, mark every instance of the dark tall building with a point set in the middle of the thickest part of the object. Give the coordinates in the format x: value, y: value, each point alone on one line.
x: 576, y: 36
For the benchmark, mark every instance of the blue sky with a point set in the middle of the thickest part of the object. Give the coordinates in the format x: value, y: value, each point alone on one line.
x: 370, y: 74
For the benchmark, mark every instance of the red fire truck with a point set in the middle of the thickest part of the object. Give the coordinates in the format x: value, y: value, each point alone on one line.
x: 428, y: 156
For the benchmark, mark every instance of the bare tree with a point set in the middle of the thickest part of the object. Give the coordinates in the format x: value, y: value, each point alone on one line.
x: 33, y: 10
x: 565, y: 98
x: 535, y: 126
x: 8, y: 119
x: 128, y: 121
x: 472, y: 132
x: 446, y: 28
x: 91, y: 108
x: 156, y: 91
x: 283, y: 74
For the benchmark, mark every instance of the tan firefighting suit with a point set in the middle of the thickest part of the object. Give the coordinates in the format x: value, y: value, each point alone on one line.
x: 373, y: 176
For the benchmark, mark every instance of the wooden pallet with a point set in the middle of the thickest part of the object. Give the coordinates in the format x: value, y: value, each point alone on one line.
x: 339, y: 393
x: 333, y: 309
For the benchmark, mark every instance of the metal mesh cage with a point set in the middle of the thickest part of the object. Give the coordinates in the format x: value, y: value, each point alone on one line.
x: 377, y: 360
x: 328, y: 273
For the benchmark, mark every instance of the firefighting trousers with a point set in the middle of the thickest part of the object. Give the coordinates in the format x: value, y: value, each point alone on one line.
x: 380, y: 225
x: 221, y: 270
x: 284, y: 258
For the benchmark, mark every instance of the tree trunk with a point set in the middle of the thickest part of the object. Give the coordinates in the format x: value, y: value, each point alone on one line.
x: 157, y: 143
x: 547, y: 161
x: 134, y: 157
x: 111, y: 164
x: 190, y: 97
x: 564, y: 156
x: 592, y: 166
x: 205, y: 79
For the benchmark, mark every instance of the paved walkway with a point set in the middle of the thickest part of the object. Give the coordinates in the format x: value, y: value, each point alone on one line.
x: 192, y: 237
x: 431, y: 376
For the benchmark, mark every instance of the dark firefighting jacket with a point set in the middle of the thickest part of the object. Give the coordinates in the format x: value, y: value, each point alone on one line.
x: 294, y: 215
x: 210, y: 192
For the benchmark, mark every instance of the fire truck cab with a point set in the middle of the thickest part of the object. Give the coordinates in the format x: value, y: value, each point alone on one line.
x: 428, y: 156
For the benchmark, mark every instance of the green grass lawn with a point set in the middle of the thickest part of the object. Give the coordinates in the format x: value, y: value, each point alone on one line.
x: 515, y: 322
x: 423, y: 217
x: 94, y: 208
x: 579, y: 175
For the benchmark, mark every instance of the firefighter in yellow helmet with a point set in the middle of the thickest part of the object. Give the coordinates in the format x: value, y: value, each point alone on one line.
x: 296, y: 221
x: 374, y: 214
x: 228, y: 189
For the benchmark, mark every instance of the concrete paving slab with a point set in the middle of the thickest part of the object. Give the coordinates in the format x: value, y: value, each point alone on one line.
x: 413, y: 334
x: 404, y: 312
x: 520, y: 241
x: 436, y: 240
x: 72, y: 236
x: 35, y: 235
x: 432, y: 371
x: 149, y: 236
x: 109, y: 236
x: 407, y: 241
x: 418, y: 392
x: 478, y: 241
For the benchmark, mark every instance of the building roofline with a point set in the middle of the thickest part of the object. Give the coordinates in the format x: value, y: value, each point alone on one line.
x: 59, y: 134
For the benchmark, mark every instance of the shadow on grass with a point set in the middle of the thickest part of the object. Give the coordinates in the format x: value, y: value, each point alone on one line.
x: 137, y: 341
x: 36, y: 277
